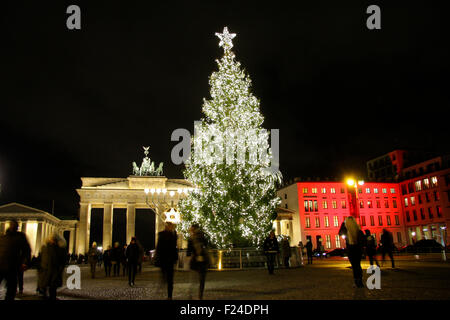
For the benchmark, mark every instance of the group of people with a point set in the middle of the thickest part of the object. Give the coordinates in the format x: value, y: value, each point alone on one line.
x: 15, y: 258
x: 357, y: 241
x: 271, y: 250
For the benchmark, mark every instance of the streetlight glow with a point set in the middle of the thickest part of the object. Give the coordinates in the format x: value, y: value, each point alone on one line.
x: 146, y: 190
x: 350, y: 182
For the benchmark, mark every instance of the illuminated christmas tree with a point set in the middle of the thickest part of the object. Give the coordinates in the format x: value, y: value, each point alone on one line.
x: 235, y: 200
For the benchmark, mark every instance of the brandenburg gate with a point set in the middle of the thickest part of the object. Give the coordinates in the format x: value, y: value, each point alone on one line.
x: 146, y: 188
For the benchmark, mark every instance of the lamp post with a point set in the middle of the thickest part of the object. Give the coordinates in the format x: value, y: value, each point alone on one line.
x: 444, y: 254
x: 353, y: 187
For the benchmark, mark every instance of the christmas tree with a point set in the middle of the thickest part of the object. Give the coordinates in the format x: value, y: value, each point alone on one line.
x: 235, y: 199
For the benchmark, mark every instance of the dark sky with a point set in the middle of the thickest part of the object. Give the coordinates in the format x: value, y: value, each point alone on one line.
x: 83, y: 103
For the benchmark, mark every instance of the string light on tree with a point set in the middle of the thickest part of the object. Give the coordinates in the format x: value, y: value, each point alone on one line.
x: 235, y: 199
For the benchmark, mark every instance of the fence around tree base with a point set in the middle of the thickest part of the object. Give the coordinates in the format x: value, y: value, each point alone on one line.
x: 240, y: 258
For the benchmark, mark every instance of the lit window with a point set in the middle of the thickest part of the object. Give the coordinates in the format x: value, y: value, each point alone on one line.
x: 317, y: 222
x: 328, y: 241
x: 375, y: 190
x: 337, y: 240
x: 314, y: 190
x: 426, y: 183
x: 343, y: 204
x: 316, y: 206
x: 369, y: 204
x: 324, y: 190
x: 332, y: 190
x: 310, y: 205
x: 418, y: 185
x: 326, y: 222
x: 392, y: 190
x: 306, y: 205
x: 308, y: 222
x: 325, y: 204
x: 434, y: 181
x: 413, y: 201
x: 367, y: 190
x: 361, y: 204
x: 336, y: 221
x: 406, y: 202
x: 384, y: 190
x: 334, y: 204
x: 305, y: 190
x: 388, y: 220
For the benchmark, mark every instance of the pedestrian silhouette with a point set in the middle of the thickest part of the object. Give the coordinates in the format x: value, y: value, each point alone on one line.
x: 198, y: 250
x: 387, y: 246
x: 309, y: 251
x: 107, y: 261
x: 93, y: 258
x: 167, y: 255
x: 286, y: 251
x: 371, y: 247
x: 271, y: 250
x: 15, y: 257
x: 132, y: 255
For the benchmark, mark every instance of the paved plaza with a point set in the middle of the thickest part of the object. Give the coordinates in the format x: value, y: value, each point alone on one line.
x: 326, y: 279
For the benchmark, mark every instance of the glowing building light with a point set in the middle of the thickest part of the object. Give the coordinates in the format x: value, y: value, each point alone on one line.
x: 351, y: 182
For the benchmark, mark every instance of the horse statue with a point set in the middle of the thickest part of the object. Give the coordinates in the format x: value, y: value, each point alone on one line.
x: 159, y: 171
x: 135, y: 169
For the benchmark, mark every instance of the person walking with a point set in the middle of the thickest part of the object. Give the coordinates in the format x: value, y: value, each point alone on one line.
x: 198, y: 250
x: 355, y: 241
x: 271, y: 249
x: 15, y: 255
x: 286, y: 251
x: 167, y: 255
x: 387, y: 246
x: 115, y: 259
x: 132, y: 255
x: 123, y: 260
x: 309, y: 251
x: 52, y: 266
x: 371, y: 248
x: 300, y: 249
x: 107, y: 261
x: 93, y: 258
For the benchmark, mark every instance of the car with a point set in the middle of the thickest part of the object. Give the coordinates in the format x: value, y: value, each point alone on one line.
x: 423, y: 246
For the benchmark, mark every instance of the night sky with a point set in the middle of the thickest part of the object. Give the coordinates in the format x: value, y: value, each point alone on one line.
x: 81, y: 103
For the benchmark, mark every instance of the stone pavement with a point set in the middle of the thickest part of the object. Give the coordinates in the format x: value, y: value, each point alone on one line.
x: 324, y: 280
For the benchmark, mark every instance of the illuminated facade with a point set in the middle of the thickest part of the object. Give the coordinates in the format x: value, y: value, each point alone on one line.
x: 321, y: 208
x: 36, y: 224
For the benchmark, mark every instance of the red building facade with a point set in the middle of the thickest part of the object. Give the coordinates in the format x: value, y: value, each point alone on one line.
x: 323, y: 206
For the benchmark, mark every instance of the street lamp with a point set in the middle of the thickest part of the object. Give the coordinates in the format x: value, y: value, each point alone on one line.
x: 444, y: 254
x: 354, y: 184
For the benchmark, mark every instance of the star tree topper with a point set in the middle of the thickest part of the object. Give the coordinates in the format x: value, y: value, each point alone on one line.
x: 225, y: 39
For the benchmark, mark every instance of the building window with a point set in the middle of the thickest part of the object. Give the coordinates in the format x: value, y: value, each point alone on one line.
x: 359, y: 190
x: 363, y: 221
x: 430, y: 212
x: 328, y: 241
x: 426, y: 183
x: 305, y: 190
x: 404, y: 189
x: 427, y: 197
x: 410, y: 187
x: 308, y: 222
x: 378, y: 204
x: 375, y: 190
x: 372, y: 221
x: 326, y: 222
x: 367, y: 190
x: 317, y: 222
x: 399, y: 237
x: 419, y: 198
x: 384, y: 190
x: 332, y: 190
x: 388, y: 220
x: 413, y: 201
x: 337, y: 240
x: 361, y: 204
x: 316, y: 206
x: 418, y: 185
x: 407, y: 216
x: 386, y: 203
x: 392, y: 190
x: 306, y: 205
x: 285, y: 196
x: 397, y: 220
x: 406, y: 202
x: 436, y: 196
x: 314, y: 190
x: 422, y: 214
x: 369, y: 204
x: 394, y: 203
x: 336, y: 221
x: 334, y: 204
x: 324, y: 190
x: 434, y: 182
x: 310, y: 205
x: 380, y: 220
x: 343, y: 204
x: 325, y: 204
x: 439, y: 211
x: 415, y: 215
x: 342, y: 190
